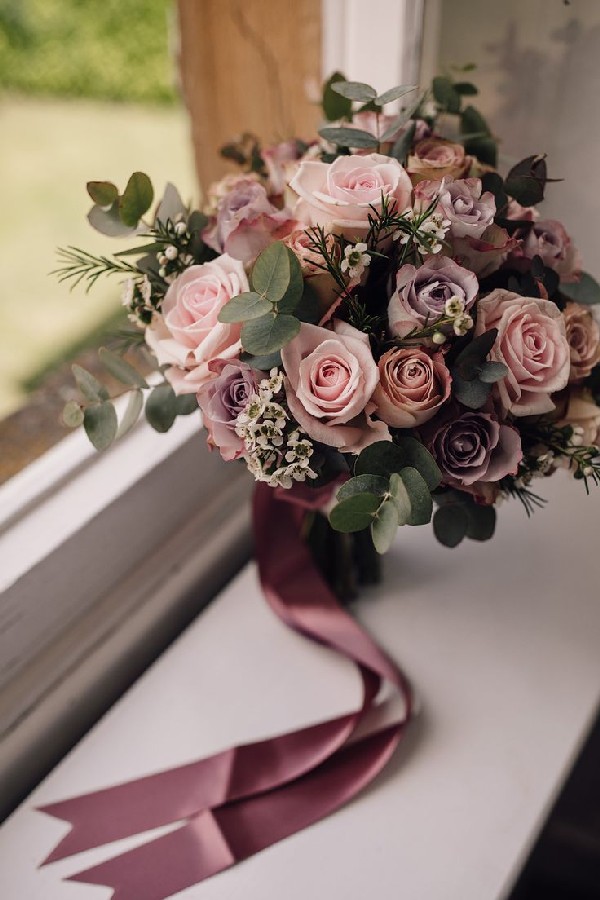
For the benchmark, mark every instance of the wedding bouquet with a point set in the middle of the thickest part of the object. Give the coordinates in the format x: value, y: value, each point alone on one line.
x: 375, y: 321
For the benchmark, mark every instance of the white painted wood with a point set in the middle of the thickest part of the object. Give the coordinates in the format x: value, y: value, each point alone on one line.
x: 501, y: 640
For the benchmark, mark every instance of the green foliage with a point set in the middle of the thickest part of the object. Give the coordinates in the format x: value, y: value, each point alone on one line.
x: 349, y: 137
x: 136, y: 200
x: 472, y: 375
x: 355, y: 90
x: 135, y: 405
x: 384, y: 525
x: 271, y: 272
x: 335, y: 106
x: 100, y: 424
x: 89, y: 386
x: 363, y: 484
x: 244, y: 307
x: 120, y: 369
x: 354, y: 513
x: 269, y: 333
x: 450, y: 525
x: 161, y: 407
x: 459, y: 516
x: 104, y: 193
x: 82, y: 48
x: 527, y: 180
x: 385, y: 457
x: 72, y: 414
x: 445, y: 94
x: 585, y: 291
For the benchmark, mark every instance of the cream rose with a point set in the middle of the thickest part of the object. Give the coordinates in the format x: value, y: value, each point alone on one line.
x: 331, y: 376
x: 583, y: 336
x: 187, y: 334
x: 584, y: 413
x: 531, y: 342
x: 340, y: 196
x: 412, y: 387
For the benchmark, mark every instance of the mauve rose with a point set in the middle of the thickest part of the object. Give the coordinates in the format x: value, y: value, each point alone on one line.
x: 412, y: 387
x: 531, y: 342
x: 547, y: 238
x: 434, y: 158
x: 461, y: 202
x: 485, y: 254
x: 340, y: 196
x: 583, y: 336
x: 246, y: 221
x: 221, y: 402
x: 516, y: 212
x: 473, y: 447
x: 421, y: 294
x: 281, y: 161
x: 187, y: 334
x: 331, y: 376
x: 583, y: 412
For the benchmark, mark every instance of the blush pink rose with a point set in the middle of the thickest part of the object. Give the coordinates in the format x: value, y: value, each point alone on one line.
x: 340, y: 196
x: 331, y: 376
x: 435, y: 158
x: 187, y: 334
x: 583, y: 336
x: 485, y: 254
x: 222, y: 400
x: 532, y: 343
x: 412, y: 387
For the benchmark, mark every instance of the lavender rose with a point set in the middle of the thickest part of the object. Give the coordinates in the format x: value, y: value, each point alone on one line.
x: 474, y: 447
x: 246, y: 221
x: 462, y: 203
x: 221, y: 402
x: 531, y: 342
x: 187, y: 334
x: 412, y: 387
x: 583, y: 335
x: 331, y: 376
x: 421, y: 294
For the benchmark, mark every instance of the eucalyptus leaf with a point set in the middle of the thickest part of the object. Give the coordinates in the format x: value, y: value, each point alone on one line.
x: 393, y: 128
x: 295, y: 288
x: 171, y: 205
x: 421, y: 504
x: 400, y: 497
x: 395, y: 93
x: 450, y: 524
x: 244, y: 307
x: 492, y: 372
x: 72, y: 414
x: 348, y: 137
x: 384, y: 526
x: 355, y: 90
x: 186, y: 404
x: 335, y: 106
x: 308, y: 309
x: 473, y: 393
x: 161, y: 407
x: 481, y: 522
x: 271, y: 272
x: 472, y: 122
x: 104, y: 193
x: 137, y: 199
x: 445, y: 94
x: 417, y: 456
x: 135, y: 404
x: 90, y: 387
x: 484, y: 148
x: 361, y: 484
x: 354, y: 513
x: 402, y: 145
x: 100, y: 424
x: 465, y: 88
x: 108, y: 222
x: 121, y: 369
x: 469, y: 361
x: 263, y: 363
x: 268, y: 333
x: 585, y: 291
x: 385, y: 457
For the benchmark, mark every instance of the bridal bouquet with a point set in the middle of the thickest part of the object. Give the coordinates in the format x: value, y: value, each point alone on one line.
x: 375, y: 321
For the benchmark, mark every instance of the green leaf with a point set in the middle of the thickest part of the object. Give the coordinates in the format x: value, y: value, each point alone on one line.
x: 481, y: 522
x: 121, y: 369
x: 355, y: 513
x: 295, y: 288
x: 526, y: 181
x: 104, y: 193
x: 135, y: 404
x: 400, y: 497
x: 308, y: 308
x: 465, y: 88
x: 418, y: 457
x: 108, y: 222
x: 585, y: 291
x: 450, y: 524
x: 473, y: 393
x: 384, y: 457
x: 484, y: 148
x: 469, y: 361
x: 137, y: 199
x: 100, y: 423
x: 421, y: 504
x: 244, y: 307
x: 472, y: 122
x: 269, y: 333
x: 271, y: 273
x: 263, y: 363
x: 186, y: 404
x: 395, y: 93
x: 445, y: 94
x: 492, y: 372
x: 355, y: 90
x: 402, y: 146
x: 90, y: 387
x: 72, y: 414
x: 361, y: 484
x: 161, y: 407
x: 384, y: 526
x: 334, y: 105
x: 348, y: 137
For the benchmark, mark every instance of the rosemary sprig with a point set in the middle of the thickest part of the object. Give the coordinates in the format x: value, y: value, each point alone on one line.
x: 79, y: 265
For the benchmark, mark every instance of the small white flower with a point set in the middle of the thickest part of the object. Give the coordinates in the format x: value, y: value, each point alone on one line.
x: 463, y: 324
x: 356, y: 259
x: 438, y: 338
x: 146, y: 290
x: 171, y: 252
x: 180, y: 229
x: 128, y: 289
x: 455, y: 306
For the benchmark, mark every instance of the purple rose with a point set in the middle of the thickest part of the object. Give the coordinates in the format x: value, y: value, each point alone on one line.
x: 421, y: 294
x: 462, y: 203
x: 549, y: 239
x: 246, y: 222
x: 221, y: 402
x: 474, y: 447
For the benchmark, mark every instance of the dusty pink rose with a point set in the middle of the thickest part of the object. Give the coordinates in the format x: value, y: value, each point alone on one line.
x: 532, y: 343
x: 461, y: 202
x: 518, y: 213
x: 246, y: 221
x: 485, y: 254
x: 548, y: 238
x: 187, y: 334
x: 222, y: 400
x: 435, y: 158
x: 583, y: 336
x: 340, y: 196
x: 331, y: 376
x: 421, y: 294
x: 583, y: 412
x: 281, y: 162
x: 311, y: 262
x: 412, y: 387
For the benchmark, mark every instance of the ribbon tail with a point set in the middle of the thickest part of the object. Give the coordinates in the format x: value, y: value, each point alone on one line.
x: 217, y: 839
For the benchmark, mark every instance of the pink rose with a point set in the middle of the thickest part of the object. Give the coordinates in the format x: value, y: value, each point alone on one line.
x: 485, y: 254
x: 311, y: 261
x: 582, y: 412
x: 516, y: 212
x: 222, y: 400
x: 548, y: 238
x: 531, y: 342
x: 280, y: 161
x: 461, y: 202
x: 246, y: 221
x: 434, y: 158
x: 331, y: 376
x: 341, y: 196
x: 583, y: 336
x: 412, y: 387
x: 187, y: 334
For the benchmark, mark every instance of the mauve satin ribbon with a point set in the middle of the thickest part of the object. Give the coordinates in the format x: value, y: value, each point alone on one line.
x: 244, y: 799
